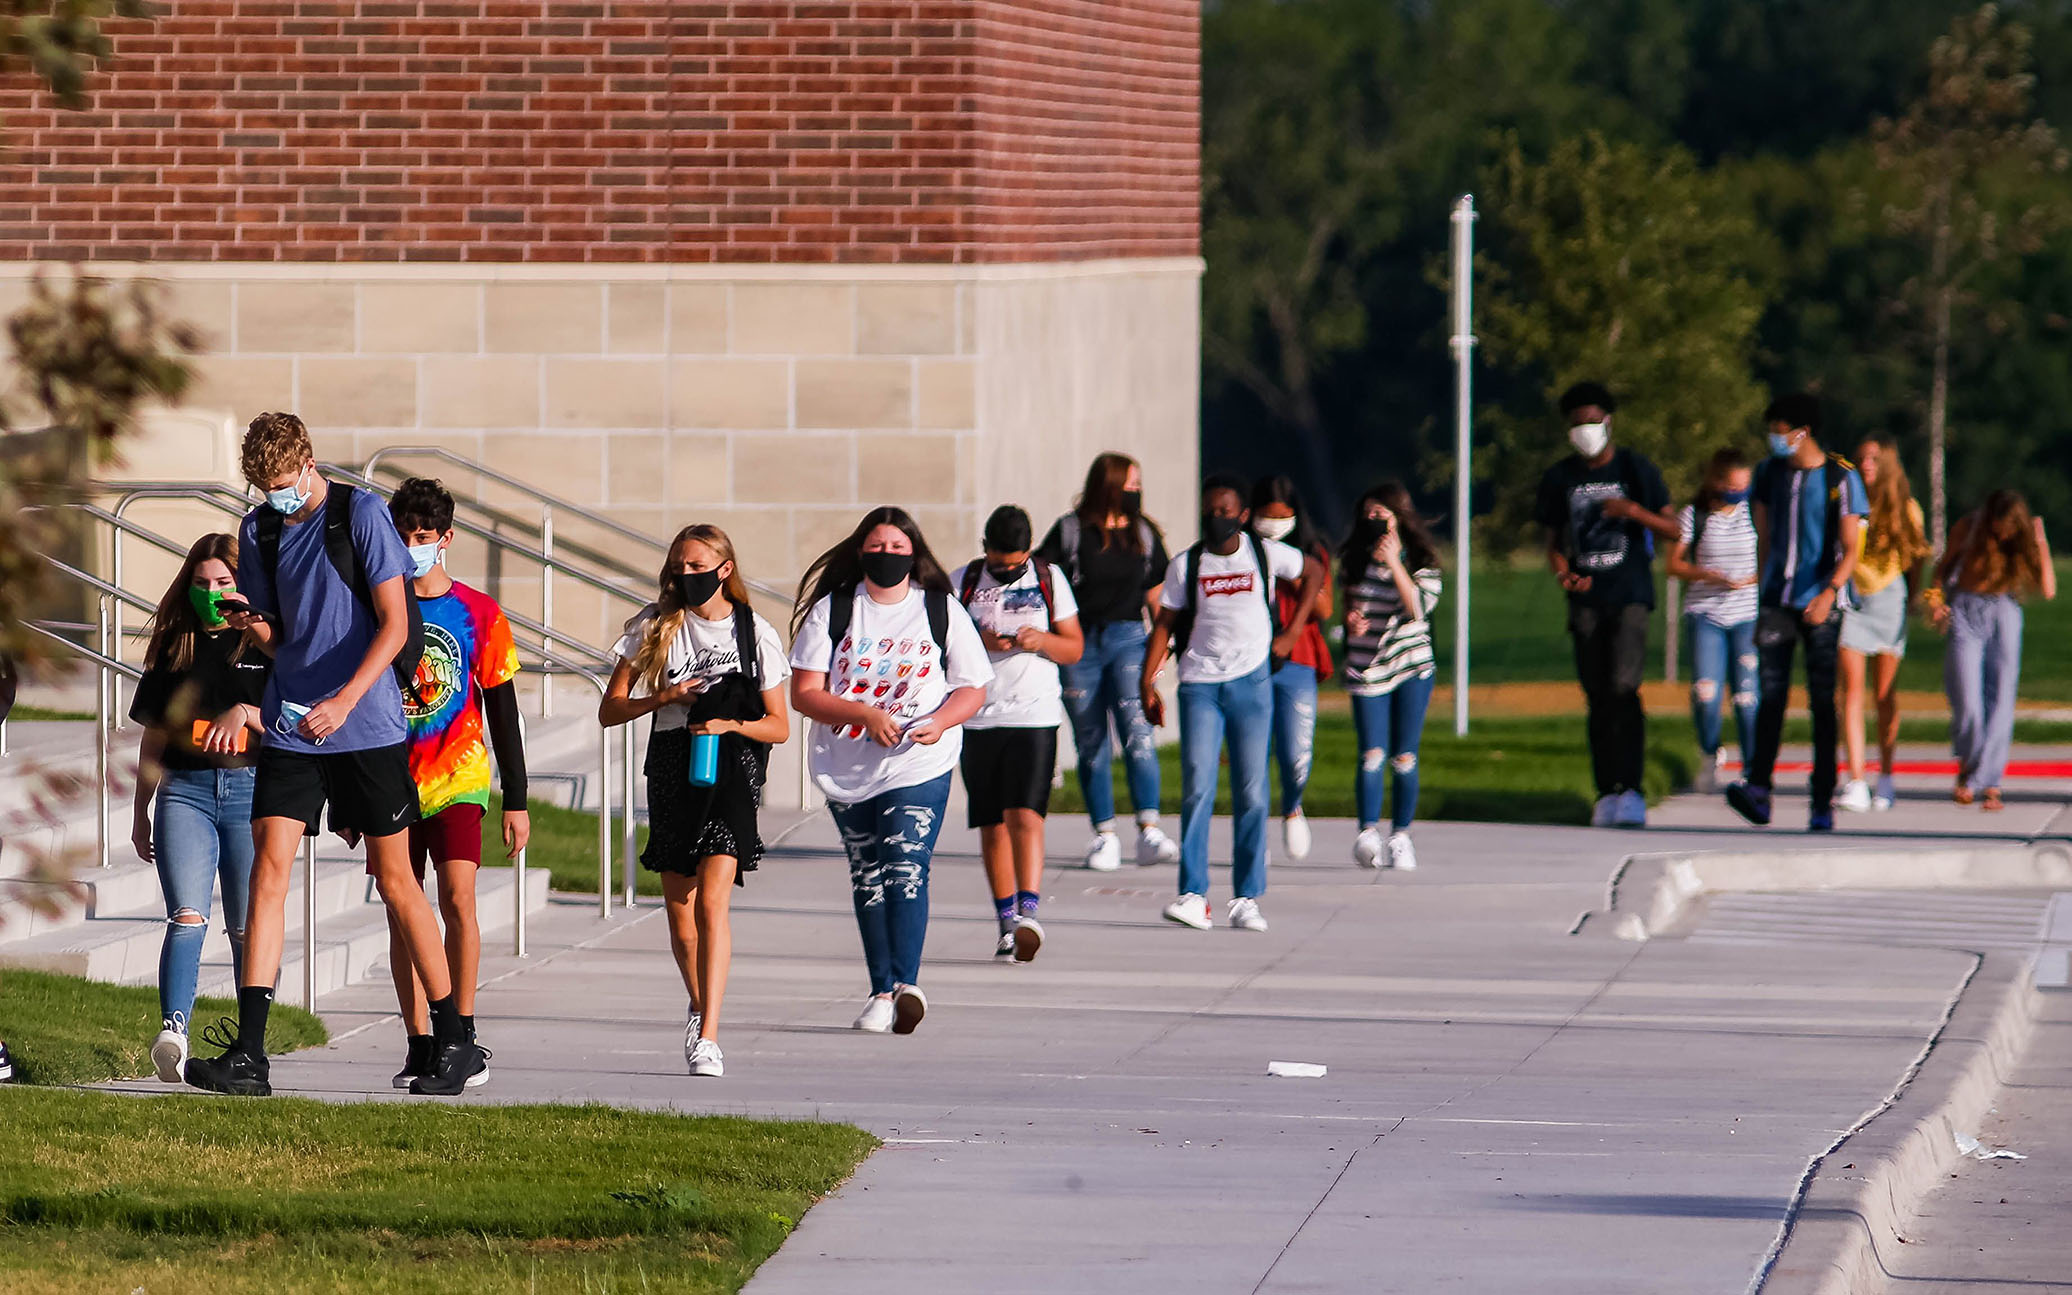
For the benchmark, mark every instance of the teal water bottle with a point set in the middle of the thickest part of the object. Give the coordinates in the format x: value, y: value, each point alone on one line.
x: 704, y: 759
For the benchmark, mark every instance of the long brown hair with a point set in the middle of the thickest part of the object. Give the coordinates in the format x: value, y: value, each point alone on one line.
x: 659, y: 630
x: 1419, y: 552
x: 1723, y: 462
x: 1894, y: 536
x: 1102, y: 497
x: 174, y: 624
x: 841, y: 567
x: 1997, y: 554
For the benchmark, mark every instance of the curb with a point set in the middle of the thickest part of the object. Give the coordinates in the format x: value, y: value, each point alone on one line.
x: 1650, y: 895
x: 1856, y: 1195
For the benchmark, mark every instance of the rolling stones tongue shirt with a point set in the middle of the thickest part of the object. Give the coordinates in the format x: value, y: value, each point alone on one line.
x: 888, y: 660
x: 467, y: 649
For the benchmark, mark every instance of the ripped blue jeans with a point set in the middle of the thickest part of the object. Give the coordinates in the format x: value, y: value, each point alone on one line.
x: 1723, y: 666
x: 201, y: 831
x: 1106, y: 685
x: 890, y: 839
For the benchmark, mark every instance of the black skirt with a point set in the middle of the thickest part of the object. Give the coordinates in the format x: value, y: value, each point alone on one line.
x: 687, y: 824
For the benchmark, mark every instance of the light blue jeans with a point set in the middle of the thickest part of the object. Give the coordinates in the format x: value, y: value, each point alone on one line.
x: 1243, y: 710
x: 1724, y: 665
x: 201, y: 831
x: 1981, y: 672
x: 1294, y: 730
x: 1390, y: 726
x: 890, y: 840
x: 1107, y: 683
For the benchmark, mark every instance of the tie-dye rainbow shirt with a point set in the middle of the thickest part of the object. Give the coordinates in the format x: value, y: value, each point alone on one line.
x: 467, y: 649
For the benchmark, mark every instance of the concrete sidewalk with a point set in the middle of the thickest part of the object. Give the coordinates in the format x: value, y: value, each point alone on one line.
x: 1507, y: 1106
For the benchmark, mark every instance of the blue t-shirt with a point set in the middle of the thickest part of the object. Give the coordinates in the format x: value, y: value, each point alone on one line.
x: 325, y: 631
x: 1800, y: 565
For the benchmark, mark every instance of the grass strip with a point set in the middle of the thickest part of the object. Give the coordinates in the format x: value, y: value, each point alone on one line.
x: 68, y: 1030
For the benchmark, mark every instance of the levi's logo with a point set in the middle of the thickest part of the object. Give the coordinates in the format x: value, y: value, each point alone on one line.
x: 1237, y: 582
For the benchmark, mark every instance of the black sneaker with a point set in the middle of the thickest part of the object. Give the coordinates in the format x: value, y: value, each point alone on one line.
x: 1750, y: 802
x: 417, y: 1060
x: 453, y: 1064
x: 236, y: 1072
x: 480, y: 1075
x: 6, y: 1066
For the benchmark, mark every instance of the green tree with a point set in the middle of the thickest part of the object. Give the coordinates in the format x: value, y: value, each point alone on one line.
x: 1971, y: 127
x: 1627, y: 265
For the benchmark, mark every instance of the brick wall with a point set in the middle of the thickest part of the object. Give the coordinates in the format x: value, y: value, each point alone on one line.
x: 620, y: 130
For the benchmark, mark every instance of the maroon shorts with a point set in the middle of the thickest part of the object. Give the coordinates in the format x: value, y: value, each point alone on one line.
x: 453, y: 835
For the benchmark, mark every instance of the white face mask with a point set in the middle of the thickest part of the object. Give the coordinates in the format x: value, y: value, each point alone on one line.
x: 1590, y: 438
x: 1273, y: 528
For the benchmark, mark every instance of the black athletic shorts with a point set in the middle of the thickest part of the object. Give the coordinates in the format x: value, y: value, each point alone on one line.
x: 1008, y: 768
x: 370, y: 792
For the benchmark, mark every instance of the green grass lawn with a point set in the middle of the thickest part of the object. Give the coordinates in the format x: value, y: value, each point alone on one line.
x: 564, y: 842
x: 36, y: 714
x: 65, y: 1030
x: 108, y: 1193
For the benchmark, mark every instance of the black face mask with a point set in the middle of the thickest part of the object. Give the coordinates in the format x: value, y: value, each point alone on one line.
x: 1132, y: 502
x: 697, y: 587
x: 886, y: 570
x: 1007, y: 575
x: 1219, y: 530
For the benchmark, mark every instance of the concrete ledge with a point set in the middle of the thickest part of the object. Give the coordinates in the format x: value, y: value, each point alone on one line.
x: 1857, y: 1195
x: 1661, y: 894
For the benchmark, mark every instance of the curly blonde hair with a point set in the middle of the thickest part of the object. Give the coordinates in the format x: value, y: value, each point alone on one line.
x: 274, y: 443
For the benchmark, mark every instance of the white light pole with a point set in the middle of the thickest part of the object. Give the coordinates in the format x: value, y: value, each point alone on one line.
x: 1463, y: 342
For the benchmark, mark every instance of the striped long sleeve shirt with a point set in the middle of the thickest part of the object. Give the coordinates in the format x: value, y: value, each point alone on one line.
x: 1395, y: 647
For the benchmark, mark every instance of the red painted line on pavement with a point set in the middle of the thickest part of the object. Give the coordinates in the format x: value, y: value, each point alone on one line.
x: 1946, y: 768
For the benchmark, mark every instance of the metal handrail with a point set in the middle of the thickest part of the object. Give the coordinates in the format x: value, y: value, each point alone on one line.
x: 52, y: 630
x: 107, y: 666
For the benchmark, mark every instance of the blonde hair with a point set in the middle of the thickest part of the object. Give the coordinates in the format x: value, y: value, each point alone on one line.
x: 1893, y: 536
x: 665, y: 616
x: 274, y: 443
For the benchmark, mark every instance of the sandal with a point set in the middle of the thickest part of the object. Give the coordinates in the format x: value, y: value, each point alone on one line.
x: 1992, y: 802
x: 1962, y: 795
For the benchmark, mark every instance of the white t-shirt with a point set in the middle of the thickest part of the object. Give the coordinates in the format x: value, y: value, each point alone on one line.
x: 704, y: 649
x: 1027, y: 691
x: 1233, y: 632
x: 1728, y: 547
x: 889, y: 660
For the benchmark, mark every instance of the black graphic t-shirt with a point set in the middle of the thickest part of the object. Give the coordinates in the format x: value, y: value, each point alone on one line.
x: 220, y: 676
x: 1617, y: 555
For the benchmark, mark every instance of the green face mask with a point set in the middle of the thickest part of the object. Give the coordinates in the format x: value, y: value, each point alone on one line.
x: 207, y: 604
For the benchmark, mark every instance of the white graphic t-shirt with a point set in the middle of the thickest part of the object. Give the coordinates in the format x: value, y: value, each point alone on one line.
x: 889, y: 660
x: 1233, y: 632
x: 704, y: 649
x: 1027, y: 691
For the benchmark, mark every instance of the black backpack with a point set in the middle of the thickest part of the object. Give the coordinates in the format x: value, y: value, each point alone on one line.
x: 345, y: 560
x: 967, y: 587
x: 841, y: 609
x: 1183, y: 620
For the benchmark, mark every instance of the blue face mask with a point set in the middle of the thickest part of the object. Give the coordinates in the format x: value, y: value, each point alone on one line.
x: 1780, y: 445
x: 423, y: 557
x: 1733, y: 496
x: 288, y: 500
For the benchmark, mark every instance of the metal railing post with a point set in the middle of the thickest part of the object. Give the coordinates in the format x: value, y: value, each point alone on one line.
x: 628, y: 829
x: 309, y: 922
x: 547, y: 601
x: 103, y: 690
x: 518, y: 907
x: 604, y: 821
x: 115, y: 685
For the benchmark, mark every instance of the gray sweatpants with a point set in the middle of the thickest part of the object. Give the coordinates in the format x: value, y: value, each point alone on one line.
x: 1981, y: 672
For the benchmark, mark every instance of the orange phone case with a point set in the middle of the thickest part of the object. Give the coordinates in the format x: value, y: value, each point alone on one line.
x: 201, y: 730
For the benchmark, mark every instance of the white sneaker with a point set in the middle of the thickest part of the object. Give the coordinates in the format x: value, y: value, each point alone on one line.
x: 877, y: 1017
x: 1367, y: 847
x: 1402, y: 854
x: 909, y: 1005
x: 1882, y: 799
x: 1606, y: 814
x: 1295, y: 835
x: 1191, y: 910
x: 1632, y: 810
x: 1005, y: 949
x: 706, y: 1061
x: 1155, y: 847
x: 1245, y: 915
x: 694, y: 1025
x: 1104, y: 852
x: 169, y: 1054
x: 1026, y: 939
x: 1855, y: 797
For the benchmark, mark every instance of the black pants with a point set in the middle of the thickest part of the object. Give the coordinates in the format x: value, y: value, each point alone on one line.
x: 1611, y: 646
x: 1778, y: 631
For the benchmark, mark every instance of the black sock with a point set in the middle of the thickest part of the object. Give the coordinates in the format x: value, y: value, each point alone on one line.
x: 419, y: 1054
x: 445, y: 1021
x: 467, y: 1028
x: 253, y: 1003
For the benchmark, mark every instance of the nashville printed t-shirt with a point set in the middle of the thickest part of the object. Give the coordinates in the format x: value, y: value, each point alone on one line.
x: 889, y: 660
x: 1233, y: 634
x: 1027, y: 690
x: 704, y: 649
x: 467, y: 651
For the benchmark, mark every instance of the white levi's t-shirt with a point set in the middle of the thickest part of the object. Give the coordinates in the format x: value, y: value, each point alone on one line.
x: 704, y: 649
x: 1233, y: 632
x: 1027, y: 690
x: 888, y: 660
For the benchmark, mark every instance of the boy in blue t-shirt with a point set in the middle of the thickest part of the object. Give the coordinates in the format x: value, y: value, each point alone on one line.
x: 1809, y: 510
x: 326, y: 564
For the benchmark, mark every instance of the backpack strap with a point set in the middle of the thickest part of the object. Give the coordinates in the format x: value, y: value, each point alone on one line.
x: 1043, y: 586
x: 938, y: 604
x: 841, y: 610
x: 1698, y: 516
x: 1068, y: 542
x: 1183, y: 619
x: 1273, y: 609
x: 746, y: 650
x: 967, y: 584
x: 266, y: 527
